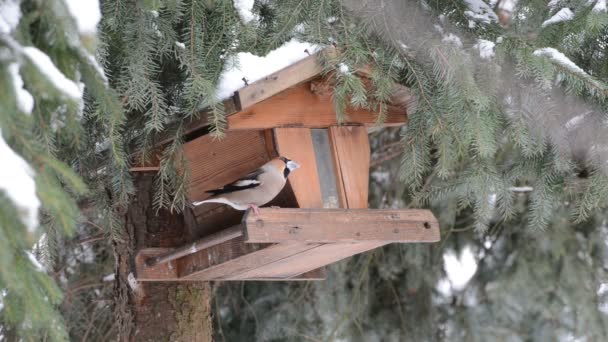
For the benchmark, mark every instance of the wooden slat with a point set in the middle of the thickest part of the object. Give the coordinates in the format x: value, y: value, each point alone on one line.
x: 317, y: 274
x: 296, y: 144
x: 352, y: 156
x: 309, y: 260
x: 341, y: 225
x: 221, y: 264
x: 299, y: 107
x: 278, y: 81
x: 216, y: 162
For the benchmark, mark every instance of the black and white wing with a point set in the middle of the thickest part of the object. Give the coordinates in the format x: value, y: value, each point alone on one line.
x: 249, y: 181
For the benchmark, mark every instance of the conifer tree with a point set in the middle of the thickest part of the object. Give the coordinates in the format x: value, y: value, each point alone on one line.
x: 508, y: 133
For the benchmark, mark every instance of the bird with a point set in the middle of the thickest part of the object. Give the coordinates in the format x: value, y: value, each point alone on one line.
x: 256, y: 188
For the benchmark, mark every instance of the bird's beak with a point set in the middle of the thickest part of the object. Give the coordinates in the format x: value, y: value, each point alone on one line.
x: 293, y: 165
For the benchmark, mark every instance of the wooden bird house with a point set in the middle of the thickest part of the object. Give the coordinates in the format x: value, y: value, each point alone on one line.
x: 322, y: 215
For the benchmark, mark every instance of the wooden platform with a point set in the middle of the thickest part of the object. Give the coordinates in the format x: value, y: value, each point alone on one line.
x: 286, y: 244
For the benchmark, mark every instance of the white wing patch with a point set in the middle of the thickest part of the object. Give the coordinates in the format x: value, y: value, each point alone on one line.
x: 246, y: 182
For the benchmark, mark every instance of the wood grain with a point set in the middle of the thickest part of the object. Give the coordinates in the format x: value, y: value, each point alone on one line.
x: 215, y: 162
x: 309, y: 260
x: 296, y: 144
x: 228, y: 263
x: 341, y: 225
x: 352, y: 157
x: 198, y: 245
x: 278, y: 81
x: 299, y: 107
x: 161, y: 272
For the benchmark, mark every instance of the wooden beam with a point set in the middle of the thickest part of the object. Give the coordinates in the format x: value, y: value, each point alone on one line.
x: 300, y: 107
x: 161, y: 272
x: 296, y: 144
x: 351, y: 154
x: 341, y: 225
x: 191, y: 248
x: 274, y: 83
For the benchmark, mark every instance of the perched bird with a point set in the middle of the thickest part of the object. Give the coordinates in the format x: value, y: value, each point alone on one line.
x: 255, y: 189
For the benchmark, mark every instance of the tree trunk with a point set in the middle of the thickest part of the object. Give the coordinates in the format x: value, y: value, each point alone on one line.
x: 157, y: 311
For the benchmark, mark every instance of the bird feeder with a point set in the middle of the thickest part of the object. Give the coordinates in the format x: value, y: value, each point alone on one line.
x: 319, y: 218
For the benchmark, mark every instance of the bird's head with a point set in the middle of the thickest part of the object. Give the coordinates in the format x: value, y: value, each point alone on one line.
x: 290, y: 165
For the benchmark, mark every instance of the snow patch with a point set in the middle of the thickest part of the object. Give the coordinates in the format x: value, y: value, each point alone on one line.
x: 133, y: 284
x: 575, y: 121
x: 98, y: 68
x: 480, y: 11
x: 565, y: 14
x: 460, y: 269
x: 521, y: 188
x: 25, y: 101
x: 344, y: 69
x: 109, y: 277
x: 245, y: 8
x: 600, y: 6
x: 486, y: 48
x: 180, y: 45
x: 553, y: 3
x: 86, y: 13
x: 10, y: 14
x: 508, y: 5
x: 252, y: 67
x: 44, y: 63
x: 17, y: 182
x: 559, y: 58
x: 452, y: 39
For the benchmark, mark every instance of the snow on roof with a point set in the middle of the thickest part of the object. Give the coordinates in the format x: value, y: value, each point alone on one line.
x: 17, y: 182
x: 559, y: 58
x: 86, y: 13
x: 565, y: 14
x: 25, y: 101
x: 10, y: 14
x: 50, y: 71
x: 480, y: 11
x: 252, y: 68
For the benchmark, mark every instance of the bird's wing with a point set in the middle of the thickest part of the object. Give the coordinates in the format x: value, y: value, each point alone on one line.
x: 249, y: 181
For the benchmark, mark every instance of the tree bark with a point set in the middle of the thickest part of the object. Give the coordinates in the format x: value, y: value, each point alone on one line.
x: 157, y: 311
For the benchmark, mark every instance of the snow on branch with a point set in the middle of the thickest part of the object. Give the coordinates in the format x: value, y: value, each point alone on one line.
x: 25, y: 101
x: 485, y: 47
x: 17, y: 182
x: 521, y: 188
x: 10, y: 14
x: 86, y: 13
x: 560, y: 59
x: 44, y: 63
x: 245, y: 10
x: 480, y: 12
x: 252, y: 68
x: 565, y: 14
x: 600, y: 6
